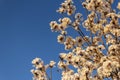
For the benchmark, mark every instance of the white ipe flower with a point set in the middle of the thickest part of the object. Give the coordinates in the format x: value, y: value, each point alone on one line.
x: 52, y: 63
x: 36, y: 61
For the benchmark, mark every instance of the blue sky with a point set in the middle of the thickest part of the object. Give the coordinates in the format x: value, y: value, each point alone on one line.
x: 25, y: 34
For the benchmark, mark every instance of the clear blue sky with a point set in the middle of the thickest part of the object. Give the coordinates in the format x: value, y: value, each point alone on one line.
x: 25, y: 34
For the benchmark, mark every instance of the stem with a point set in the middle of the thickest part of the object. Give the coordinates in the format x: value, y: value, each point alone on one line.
x: 104, y: 43
x: 80, y: 32
x: 81, y: 35
x: 50, y: 73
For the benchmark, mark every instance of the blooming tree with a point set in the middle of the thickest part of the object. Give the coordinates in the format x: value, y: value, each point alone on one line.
x: 95, y: 56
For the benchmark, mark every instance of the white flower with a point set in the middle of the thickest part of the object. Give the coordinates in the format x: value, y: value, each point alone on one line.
x: 78, y: 15
x: 54, y: 26
x: 101, y: 47
x: 63, y: 56
x: 40, y: 66
x: 118, y: 5
x: 78, y: 50
x: 99, y: 70
x: 61, y: 38
x: 61, y: 10
x: 36, y: 61
x: 66, y: 20
x: 62, y: 65
x: 52, y: 63
x: 79, y: 41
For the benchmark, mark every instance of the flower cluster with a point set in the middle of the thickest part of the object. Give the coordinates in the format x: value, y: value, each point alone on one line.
x: 67, y: 7
x: 40, y: 69
x: 92, y: 57
x: 60, y: 26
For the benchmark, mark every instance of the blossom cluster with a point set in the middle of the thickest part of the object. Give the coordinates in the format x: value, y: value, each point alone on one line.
x: 67, y: 7
x: 40, y: 69
x: 92, y: 57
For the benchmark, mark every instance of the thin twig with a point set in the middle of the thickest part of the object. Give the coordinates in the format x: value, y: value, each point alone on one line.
x: 83, y: 35
x: 50, y: 73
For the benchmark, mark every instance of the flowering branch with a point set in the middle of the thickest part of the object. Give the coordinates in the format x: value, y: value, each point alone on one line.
x: 99, y: 51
